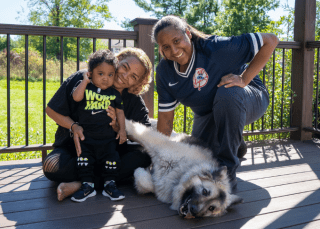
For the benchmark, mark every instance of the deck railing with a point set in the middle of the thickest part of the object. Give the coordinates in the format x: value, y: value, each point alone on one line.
x: 140, y: 35
x: 301, y: 75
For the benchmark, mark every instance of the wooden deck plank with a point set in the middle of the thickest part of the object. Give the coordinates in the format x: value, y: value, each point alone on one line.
x: 271, y: 172
x: 248, y: 196
x: 261, y: 221
x: 277, y: 179
x: 26, y: 186
x: 22, y: 179
x: 145, y: 217
x: 20, y: 164
x: 20, y: 172
x: 50, y: 201
x: 309, y: 225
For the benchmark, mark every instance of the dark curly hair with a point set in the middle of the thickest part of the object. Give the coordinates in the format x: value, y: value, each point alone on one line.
x: 101, y: 56
x: 178, y: 24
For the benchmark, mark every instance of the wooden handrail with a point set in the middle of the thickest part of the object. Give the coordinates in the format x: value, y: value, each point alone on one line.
x: 66, y: 32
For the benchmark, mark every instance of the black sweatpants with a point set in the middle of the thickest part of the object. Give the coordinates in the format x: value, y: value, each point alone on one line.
x: 99, y: 154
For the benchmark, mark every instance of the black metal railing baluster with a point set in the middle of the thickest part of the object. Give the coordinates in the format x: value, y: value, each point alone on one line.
x: 78, y: 53
x: 273, y: 87
x: 264, y: 83
x: 184, y: 118
x: 282, y: 86
x: 8, y: 90
x: 44, y: 80
x: 317, y: 93
x: 26, y: 65
x: 94, y: 44
x: 61, y: 60
x: 124, y: 43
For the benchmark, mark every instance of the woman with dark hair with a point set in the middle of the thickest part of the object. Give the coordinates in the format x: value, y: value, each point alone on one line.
x: 211, y: 75
x: 132, y: 78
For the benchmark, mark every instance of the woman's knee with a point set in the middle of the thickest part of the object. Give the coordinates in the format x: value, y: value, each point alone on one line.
x: 229, y: 94
x: 230, y: 99
x: 51, y: 163
x: 60, y: 165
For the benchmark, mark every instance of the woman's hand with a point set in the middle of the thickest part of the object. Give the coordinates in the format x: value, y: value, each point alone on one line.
x: 111, y: 112
x: 232, y: 80
x: 77, y: 134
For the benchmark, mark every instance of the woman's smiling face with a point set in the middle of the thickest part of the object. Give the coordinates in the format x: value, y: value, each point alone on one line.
x: 129, y: 73
x: 175, y: 45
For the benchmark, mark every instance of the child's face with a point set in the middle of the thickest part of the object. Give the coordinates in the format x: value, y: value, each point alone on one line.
x: 102, y: 76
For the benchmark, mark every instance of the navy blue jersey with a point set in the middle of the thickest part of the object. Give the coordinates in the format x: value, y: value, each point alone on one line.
x: 212, y: 58
x: 92, y: 112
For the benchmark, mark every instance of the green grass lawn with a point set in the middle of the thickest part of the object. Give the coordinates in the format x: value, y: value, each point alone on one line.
x: 17, y: 110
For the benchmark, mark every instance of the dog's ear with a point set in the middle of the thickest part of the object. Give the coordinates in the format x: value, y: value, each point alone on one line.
x: 234, y: 200
x: 220, y: 174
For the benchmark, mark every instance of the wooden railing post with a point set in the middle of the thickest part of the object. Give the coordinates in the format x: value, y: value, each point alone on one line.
x: 144, y: 26
x: 302, y: 68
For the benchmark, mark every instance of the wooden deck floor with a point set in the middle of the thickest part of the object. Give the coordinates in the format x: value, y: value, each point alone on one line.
x: 278, y: 180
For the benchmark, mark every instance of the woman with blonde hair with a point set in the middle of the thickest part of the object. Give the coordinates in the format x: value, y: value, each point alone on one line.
x: 132, y: 78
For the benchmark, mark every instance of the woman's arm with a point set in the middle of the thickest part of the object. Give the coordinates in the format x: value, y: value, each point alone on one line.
x: 61, y: 120
x: 122, y: 132
x: 66, y: 122
x: 165, y: 122
x: 270, y: 42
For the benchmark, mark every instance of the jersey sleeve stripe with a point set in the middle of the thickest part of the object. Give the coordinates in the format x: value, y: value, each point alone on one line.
x: 168, y: 109
x: 168, y: 104
x: 260, y: 39
x: 255, y: 44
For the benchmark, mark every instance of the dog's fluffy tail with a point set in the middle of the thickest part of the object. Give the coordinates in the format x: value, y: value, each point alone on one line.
x: 143, y: 181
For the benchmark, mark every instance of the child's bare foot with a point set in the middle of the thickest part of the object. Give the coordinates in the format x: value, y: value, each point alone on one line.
x: 67, y: 189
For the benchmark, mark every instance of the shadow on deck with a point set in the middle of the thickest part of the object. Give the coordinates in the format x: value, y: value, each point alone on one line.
x: 278, y: 180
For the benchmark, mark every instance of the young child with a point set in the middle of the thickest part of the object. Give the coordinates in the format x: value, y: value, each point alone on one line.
x: 94, y: 95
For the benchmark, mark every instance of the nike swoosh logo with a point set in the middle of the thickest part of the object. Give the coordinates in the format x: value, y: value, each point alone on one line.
x: 110, y: 193
x: 172, y: 84
x: 93, y: 113
x: 85, y: 194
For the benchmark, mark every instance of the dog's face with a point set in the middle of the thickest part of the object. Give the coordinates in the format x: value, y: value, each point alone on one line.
x: 208, y: 196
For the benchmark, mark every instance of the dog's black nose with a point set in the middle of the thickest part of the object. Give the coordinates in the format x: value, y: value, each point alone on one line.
x: 194, y: 210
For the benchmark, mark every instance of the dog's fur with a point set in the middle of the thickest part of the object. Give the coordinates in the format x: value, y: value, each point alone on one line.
x: 184, y: 175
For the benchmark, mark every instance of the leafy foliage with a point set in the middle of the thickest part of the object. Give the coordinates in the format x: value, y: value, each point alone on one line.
x: 226, y: 18
x: 202, y: 13
x: 67, y: 13
x: 244, y: 16
x: 164, y: 7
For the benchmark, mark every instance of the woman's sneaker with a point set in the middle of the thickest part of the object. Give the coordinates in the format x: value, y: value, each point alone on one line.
x: 83, y: 193
x: 111, y: 191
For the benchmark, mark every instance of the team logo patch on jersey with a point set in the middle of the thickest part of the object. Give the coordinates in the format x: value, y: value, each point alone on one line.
x: 200, y: 78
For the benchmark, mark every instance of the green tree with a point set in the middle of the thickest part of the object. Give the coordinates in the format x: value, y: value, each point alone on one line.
x: 161, y: 8
x: 242, y: 16
x: 318, y: 20
x: 201, y: 14
x: 67, y: 13
x: 126, y: 24
x: 3, y: 43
